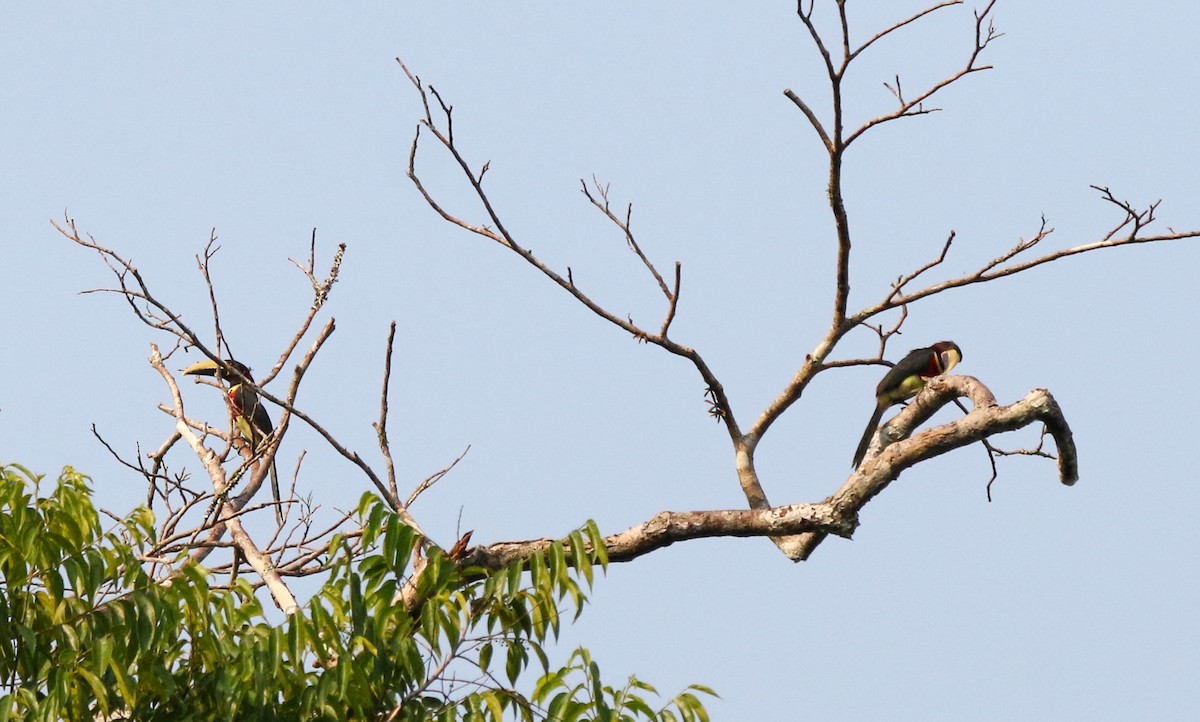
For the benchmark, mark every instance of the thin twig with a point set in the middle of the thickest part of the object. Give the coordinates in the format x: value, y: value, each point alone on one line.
x: 434, y: 478
x: 502, y: 236
x: 984, y: 36
x: 381, y: 426
x: 907, y: 21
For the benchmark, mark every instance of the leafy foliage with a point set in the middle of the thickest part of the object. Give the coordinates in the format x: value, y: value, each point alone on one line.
x: 89, y: 633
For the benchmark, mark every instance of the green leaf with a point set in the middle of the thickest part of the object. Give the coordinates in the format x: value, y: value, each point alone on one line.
x: 547, y: 683
x: 581, y: 560
x: 599, y: 550
x: 183, y: 650
x: 538, y: 575
x: 557, y: 710
x: 516, y: 661
x: 514, y: 578
x: 541, y: 655
x: 557, y: 565
x: 494, y: 705
x: 358, y: 607
x: 639, y: 705
x: 485, y: 656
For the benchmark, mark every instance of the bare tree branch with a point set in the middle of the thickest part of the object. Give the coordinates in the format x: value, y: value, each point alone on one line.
x: 838, y: 514
x: 903, y: 281
x: 600, y: 201
x: 321, y: 289
x: 896, y: 449
x: 984, y: 35
x: 502, y: 236
x: 797, y: 529
x: 434, y: 478
x: 811, y: 116
x: 997, y: 268
x: 798, y: 546
x: 668, y: 527
x: 381, y: 426
x: 257, y: 559
x: 907, y: 21
x: 199, y: 541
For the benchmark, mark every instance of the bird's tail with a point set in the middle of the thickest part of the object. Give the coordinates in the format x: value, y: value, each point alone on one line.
x: 275, y: 493
x: 869, y: 434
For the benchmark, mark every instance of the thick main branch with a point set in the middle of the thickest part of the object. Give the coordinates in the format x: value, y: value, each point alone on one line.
x: 669, y: 527
x: 809, y: 524
x: 897, y: 449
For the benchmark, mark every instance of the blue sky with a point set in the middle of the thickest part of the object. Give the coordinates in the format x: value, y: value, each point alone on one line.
x: 153, y: 125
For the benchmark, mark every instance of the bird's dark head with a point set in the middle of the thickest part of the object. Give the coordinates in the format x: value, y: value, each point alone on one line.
x: 948, y: 355
x: 209, y: 367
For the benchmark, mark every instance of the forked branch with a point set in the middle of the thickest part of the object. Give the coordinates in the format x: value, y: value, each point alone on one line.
x: 180, y: 500
x: 253, y: 555
x: 838, y: 515
x: 985, y: 34
x: 897, y: 447
x: 440, y: 128
x: 1134, y: 222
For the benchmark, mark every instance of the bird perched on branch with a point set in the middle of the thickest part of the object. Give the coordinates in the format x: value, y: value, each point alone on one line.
x: 249, y: 412
x: 904, y: 380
